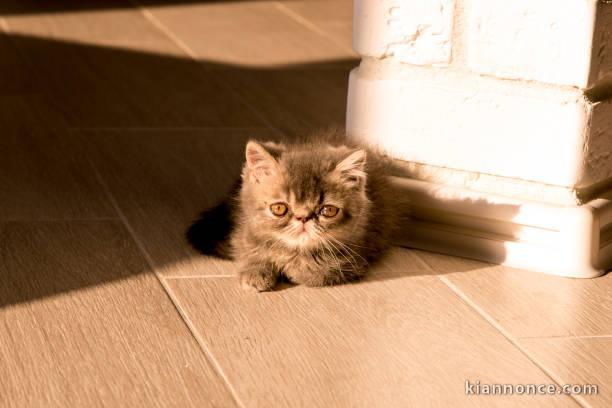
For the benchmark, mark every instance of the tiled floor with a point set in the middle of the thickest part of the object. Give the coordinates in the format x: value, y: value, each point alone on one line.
x: 119, y: 121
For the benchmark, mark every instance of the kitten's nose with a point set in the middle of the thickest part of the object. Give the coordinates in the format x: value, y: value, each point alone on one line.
x: 303, y: 218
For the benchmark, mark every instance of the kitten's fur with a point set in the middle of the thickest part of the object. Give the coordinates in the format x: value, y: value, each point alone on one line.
x: 305, y: 177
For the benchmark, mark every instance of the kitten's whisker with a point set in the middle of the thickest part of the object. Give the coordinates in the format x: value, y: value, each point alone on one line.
x: 338, y: 251
x: 358, y: 246
x: 347, y: 248
x: 338, y: 264
x: 324, y: 251
x: 345, y: 251
x: 326, y: 246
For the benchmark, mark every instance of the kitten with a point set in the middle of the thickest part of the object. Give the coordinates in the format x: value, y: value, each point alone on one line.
x: 314, y: 212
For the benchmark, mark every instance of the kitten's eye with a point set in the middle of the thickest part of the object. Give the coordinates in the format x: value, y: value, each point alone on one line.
x: 329, y: 211
x: 279, y: 209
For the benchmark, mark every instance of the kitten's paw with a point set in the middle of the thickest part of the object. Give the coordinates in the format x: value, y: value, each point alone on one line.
x: 260, y: 281
x: 331, y: 278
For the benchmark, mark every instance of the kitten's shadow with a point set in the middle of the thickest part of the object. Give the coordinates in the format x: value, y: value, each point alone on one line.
x: 112, y: 88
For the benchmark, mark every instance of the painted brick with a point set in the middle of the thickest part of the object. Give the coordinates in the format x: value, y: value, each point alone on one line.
x: 564, y: 43
x: 561, y: 42
x: 469, y: 122
x: 411, y: 31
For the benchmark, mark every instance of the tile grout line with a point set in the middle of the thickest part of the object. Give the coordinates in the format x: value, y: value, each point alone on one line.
x: 489, y: 319
x: 163, y: 29
x: 422, y: 261
x: 149, y: 260
x: 304, y: 22
x: 193, y: 329
x: 202, y: 343
x: 459, y: 293
x: 298, y: 18
x: 187, y: 50
x: 587, y: 336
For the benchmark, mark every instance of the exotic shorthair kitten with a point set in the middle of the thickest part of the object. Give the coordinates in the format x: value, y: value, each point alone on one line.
x: 314, y: 212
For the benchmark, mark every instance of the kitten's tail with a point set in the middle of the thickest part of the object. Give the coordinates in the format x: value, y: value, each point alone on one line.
x: 210, y: 234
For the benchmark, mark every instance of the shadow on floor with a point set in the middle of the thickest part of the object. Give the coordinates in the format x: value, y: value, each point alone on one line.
x: 102, y: 102
x: 27, y: 7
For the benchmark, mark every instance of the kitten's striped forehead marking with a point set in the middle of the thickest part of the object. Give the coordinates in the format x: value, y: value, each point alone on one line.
x: 305, y: 198
x: 305, y: 177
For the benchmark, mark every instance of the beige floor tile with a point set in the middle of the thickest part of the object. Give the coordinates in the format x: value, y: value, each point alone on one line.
x: 399, y: 339
x: 15, y: 74
x: 163, y: 179
x: 246, y: 34
x: 42, y: 175
x: 529, y: 304
x: 296, y: 101
x: 114, y: 68
x: 449, y: 264
x: 577, y: 361
x: 84, y: 323
x: 334, y: 18
x: 115, y: 24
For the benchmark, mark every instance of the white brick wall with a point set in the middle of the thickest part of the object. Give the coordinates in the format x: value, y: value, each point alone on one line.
x: 552, y: 136
x: 559, y: 42
x: 434, y: 86
x: 543, y: 40
x: 412, y: 31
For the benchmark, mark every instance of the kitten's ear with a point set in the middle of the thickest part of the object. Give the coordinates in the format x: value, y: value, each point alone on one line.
x: 275, y: 149
x: 351, y: 170
x: 259, y: 161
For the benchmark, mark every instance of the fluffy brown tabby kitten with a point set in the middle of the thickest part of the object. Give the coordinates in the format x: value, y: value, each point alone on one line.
x: 315, y: 212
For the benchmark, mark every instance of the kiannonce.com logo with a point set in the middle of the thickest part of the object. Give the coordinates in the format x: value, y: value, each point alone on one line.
x: 478, y: 388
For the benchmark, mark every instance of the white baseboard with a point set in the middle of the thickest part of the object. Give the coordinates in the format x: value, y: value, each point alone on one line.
x: 570, y: 241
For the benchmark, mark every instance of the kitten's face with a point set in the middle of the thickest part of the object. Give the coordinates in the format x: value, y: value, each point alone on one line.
x: 306, y: 221
x: 305, y: 199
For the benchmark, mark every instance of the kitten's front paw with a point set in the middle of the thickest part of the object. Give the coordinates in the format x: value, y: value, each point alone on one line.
x: 330, y: 277
x: 258, y: 281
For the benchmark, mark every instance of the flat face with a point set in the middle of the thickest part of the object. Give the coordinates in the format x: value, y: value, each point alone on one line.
x: 307, y: 200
